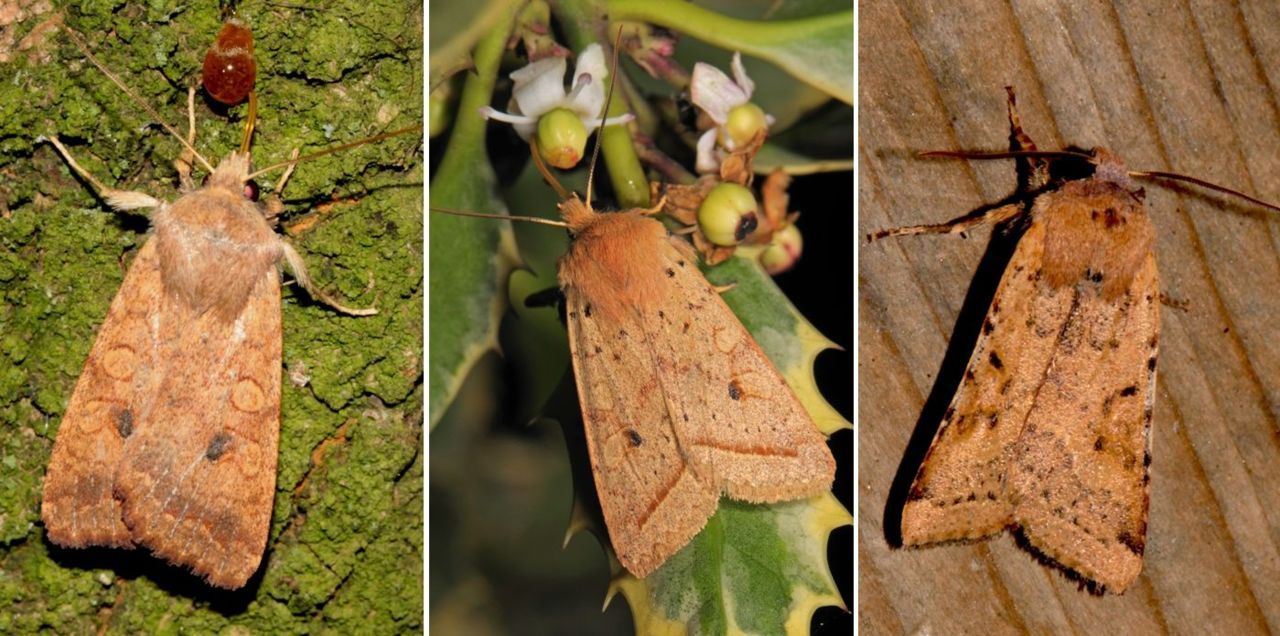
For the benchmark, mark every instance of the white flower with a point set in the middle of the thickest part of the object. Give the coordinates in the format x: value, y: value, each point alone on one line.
x: 540, y: 89
x: 728, y: 103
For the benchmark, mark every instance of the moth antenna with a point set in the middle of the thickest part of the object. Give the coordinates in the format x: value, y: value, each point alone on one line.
x: 84, y: 49
x: 1061, y: 154
x: 329, y: 151
x: 1155, y: 174
x: 608, y: 99
x: 546, y: 174
x: 502, y: 217
x: 1010, y: 154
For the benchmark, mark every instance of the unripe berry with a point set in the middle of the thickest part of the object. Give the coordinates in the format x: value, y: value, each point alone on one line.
x: 728, y: 214
x: 561, y: 138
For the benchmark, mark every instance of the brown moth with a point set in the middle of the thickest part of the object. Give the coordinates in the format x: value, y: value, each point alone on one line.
x: 1049, y: 431
x: 679, y: 403
x: 169, y: 440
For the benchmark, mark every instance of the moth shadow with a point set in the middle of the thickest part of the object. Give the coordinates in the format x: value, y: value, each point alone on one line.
x: 1004, y: 240
x: 129, y: 565
x: 1093, y: 588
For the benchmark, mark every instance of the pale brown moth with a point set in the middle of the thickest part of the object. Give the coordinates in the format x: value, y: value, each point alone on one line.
x: 1049, y: 431
x: 169, y: 440
x: 679, y: 403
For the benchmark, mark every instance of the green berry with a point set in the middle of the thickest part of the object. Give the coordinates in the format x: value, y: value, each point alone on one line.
x: 561, y: 138
x: 744, y: 122
x: 728, y: 214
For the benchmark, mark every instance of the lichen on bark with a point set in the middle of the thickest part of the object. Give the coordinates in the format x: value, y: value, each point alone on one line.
x: 345, y: 550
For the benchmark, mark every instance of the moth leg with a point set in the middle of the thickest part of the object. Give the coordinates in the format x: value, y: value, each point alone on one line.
x: 275, y: 203
x: 184, y: 163
x: 121, y: 200
x: 1174, y: 303
x: 954, y: 226
x: 720, y: 289
x: 299, y: 270
x: 657, y: 207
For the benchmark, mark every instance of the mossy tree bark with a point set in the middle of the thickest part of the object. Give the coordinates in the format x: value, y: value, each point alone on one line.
x: 345, y: 549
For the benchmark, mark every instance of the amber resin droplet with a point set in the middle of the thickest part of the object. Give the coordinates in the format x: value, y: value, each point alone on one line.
x: 229, y: 67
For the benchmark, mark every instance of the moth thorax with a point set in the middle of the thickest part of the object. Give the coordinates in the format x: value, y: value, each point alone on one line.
x: 616, y: 262
x: 214, y: 248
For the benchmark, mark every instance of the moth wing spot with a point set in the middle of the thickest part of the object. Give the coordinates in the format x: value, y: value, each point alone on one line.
x: 218, y: 446
x: 634, y: 437
x: 247, y: 396
x: 123, y: 418
x: 119, y: 362
x: 725, y: 340
x: 735, y: 390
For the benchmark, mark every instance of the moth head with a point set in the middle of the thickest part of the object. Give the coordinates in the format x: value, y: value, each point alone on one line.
x: 232, y: 174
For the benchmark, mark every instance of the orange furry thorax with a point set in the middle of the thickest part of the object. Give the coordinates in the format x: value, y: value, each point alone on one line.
x: 615, y: 259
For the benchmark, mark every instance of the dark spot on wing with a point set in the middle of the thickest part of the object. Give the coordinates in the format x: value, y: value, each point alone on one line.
x: 218, y: 447
x: 1129, y: 391
x: 735, y: 391
x: 995, y: 360
x: 636, y: 440
x: 124, y: 422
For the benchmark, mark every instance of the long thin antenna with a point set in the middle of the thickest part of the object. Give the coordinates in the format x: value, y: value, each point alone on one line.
x: 1059, y: 154
x: 613, y: 79
x: 84, y: 49
x: 1152, y: 174
x: 329, y: 151
x: 502, y: 217
x: 1011, y: 154
x: 546, y: 174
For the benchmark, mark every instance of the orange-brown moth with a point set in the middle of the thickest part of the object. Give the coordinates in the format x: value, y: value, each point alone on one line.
x: 169, y: 440
x: 1049, y: 431
x: 679, y: 403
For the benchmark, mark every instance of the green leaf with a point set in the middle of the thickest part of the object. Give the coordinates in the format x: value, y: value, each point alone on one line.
x: 773, y: 156
x: 456, y: 27
x: 818, y: 49
x: 467, y: 264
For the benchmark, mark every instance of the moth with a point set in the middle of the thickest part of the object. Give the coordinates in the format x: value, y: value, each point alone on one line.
x: 1048, y: 433
x: 680, y: 405
x: 169, y: 441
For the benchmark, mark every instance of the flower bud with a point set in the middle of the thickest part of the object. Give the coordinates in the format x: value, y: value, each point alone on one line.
x: 745, y: 121
x: 728, y: 214
x: 783, y: 251
x: 561, y: 138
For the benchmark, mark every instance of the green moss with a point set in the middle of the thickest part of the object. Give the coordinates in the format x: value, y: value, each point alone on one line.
x: 344, y: 532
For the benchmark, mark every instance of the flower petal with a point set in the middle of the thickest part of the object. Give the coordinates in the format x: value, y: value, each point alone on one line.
x: 591, y: 62
x: 707, y: 160
x: 740, y: 76
x: 539, y: 86
x: 489, y: 112
x: 712, y: 91
x: 595, y: 123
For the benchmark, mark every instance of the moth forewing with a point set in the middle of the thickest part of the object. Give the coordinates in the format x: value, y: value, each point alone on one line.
x: 1048, y: 433
x: 169, y: 441
x: 679, y: 403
